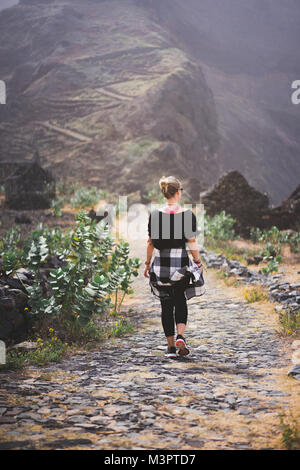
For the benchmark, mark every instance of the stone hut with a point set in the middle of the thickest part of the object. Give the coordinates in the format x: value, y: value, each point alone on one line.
x: 233, y: 194
x: 30, y: 187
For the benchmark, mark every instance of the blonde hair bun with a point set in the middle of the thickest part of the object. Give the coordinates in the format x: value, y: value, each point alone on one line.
x: 169, y: 185
x: 163, y: 183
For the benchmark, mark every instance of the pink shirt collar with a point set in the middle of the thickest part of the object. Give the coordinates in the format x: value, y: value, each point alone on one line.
x: 172, y: 210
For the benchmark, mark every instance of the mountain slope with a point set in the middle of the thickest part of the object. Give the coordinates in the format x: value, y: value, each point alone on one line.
x: 248, y: 51
x: 104, y: 94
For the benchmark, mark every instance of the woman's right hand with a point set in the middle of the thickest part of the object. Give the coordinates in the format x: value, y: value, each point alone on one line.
x: 146, y: 272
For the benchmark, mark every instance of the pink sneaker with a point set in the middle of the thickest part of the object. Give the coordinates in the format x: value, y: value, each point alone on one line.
x: 182, y: 346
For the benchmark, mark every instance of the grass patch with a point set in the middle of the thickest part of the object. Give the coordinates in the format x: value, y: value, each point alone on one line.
x: 255, y: 294
x: 121, y: 328
x: 52, y: 350
x: 290, y: 323
x: 290, y: 438
x: 228, y: 251
x: 229, y: 281
x: 73, y: 338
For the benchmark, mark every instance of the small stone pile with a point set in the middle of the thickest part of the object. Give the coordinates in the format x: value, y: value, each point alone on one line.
x: 285, y: 293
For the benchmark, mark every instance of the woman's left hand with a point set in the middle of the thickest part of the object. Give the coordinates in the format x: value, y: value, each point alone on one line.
x: 200, y: 266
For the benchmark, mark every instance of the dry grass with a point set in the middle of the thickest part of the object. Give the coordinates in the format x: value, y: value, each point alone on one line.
x: 255, y: 294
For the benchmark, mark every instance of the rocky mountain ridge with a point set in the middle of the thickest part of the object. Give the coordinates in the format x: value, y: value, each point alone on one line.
x: 104, y: 95
x: 117, y: 93
x: 247, y: 51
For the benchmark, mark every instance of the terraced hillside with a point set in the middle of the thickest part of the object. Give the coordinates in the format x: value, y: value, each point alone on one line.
x: 248, y: 52
x: 104, y: 94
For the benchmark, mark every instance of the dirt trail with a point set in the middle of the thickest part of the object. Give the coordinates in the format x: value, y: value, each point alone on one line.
x: 227, y: 394
x: 65, y: 132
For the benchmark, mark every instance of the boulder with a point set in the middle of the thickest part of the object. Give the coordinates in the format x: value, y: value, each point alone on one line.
x: 12, y: 318
x: 26, y: 346
x: 294, y: 372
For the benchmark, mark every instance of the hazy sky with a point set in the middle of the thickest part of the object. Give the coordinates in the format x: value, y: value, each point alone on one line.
x: 7, y: 3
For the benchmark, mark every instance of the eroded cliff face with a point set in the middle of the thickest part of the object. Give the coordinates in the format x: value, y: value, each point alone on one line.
x: 248, y: 52
x: 103, y: 92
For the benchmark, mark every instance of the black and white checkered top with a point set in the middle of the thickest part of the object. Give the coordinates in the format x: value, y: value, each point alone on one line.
x: 172, y: 266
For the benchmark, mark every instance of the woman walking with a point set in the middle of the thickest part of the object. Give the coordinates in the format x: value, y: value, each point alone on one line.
x: 173, y: 276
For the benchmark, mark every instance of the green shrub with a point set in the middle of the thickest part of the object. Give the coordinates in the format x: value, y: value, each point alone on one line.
x: 294, y: 242
x: 273, y: 240
x: 96, y: 275
x: 86, y: 197
x: 276, y: 237
x: 255, y: 235
x: 57, y: 205
x: 220, y: 227
x: 66, y: 189
x: 96, y: 270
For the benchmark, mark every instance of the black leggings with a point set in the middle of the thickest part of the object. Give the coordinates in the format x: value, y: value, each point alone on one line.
x: 177, y: 303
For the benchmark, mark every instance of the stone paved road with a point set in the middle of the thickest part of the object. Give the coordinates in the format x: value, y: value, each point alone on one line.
x: 227, y: 395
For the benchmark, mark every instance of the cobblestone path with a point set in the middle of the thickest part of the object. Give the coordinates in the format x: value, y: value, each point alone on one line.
x: 227, y: 394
